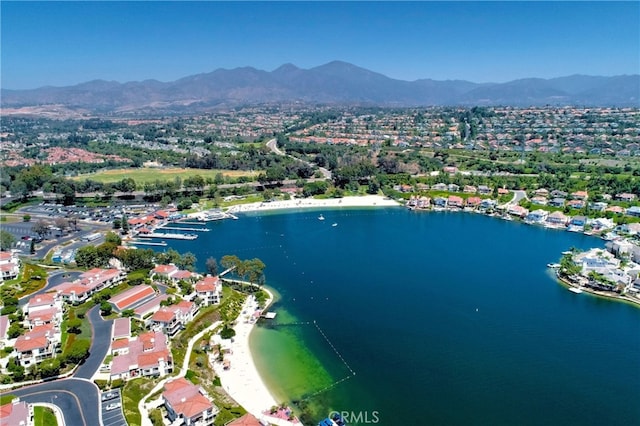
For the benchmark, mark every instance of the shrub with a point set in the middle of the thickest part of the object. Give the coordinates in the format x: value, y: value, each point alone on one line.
x: 102, y: 384
x: 227, y: 333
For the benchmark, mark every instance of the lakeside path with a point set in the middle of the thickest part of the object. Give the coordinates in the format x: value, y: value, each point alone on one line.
x: 297, y: 203
x: 242, y: 381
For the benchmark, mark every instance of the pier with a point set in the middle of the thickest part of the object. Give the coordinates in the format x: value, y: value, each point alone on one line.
x: 169, y: 236
x: 148, y: 243
x: 175, y: 228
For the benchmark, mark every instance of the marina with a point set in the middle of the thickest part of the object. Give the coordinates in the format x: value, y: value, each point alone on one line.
x: 148, y: 243
x: 175, y: 228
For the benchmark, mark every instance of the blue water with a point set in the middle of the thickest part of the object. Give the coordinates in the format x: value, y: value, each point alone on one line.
x: 446, y: 319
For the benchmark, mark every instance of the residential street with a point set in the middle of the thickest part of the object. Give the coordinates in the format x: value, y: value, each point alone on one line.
x: 100, y: 343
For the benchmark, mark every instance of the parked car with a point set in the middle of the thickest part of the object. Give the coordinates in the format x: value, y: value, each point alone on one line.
x: 112, y: 406
x: 109, y: 395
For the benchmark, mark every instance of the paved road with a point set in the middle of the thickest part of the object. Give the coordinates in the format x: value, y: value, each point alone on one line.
x: 100, y: 341
x: 54, y: 278
x: 272, y: 144
x: 78, y: 399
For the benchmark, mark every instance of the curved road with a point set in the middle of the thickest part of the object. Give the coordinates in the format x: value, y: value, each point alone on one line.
x: 78, y: 399
x: 100, y: 341
x: 54, y: 278
x: 272, y: 144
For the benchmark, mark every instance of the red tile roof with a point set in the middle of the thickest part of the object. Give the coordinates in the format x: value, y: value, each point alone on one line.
x: 185, y: 398
x: 35, y: 339
x: 132, y: 296
x: 207, y: 284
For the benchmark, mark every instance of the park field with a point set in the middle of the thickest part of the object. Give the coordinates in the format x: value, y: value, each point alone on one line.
x: 144, y: 175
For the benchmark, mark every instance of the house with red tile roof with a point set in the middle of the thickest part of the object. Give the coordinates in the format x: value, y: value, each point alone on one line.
x: 171, y: 319
x: 628, y: 197
x: 246, y: 420
x: 89, y: 283
x: 580, y: 195
x: 147, y: 308
x: 37, y: 345
x: 44, y: 309
x: 132, y: 297
x: 16, y: 413
x: 9, y: 266
x: 188, y: 404
x: 144, y: 355
x: 455, y: 201
x: 517, y: 211
x: 473, y: 201
x: 209, y: 290
x: 121, y: 329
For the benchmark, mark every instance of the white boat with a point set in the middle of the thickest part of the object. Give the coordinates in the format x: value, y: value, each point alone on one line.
x: 567, y: 252
x: 320, y: 217
x: 553, y: 265
x: 575, y: 290
x: 335, y: 224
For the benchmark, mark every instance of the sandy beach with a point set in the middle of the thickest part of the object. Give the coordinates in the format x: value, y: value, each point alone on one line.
x: 242, y: 380
x: 297, y: 203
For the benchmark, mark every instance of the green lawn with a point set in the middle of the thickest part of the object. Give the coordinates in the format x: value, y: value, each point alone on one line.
x: 43, y: 416
x: 133, y: 391
x: 6, y: 399
x: 150, y: 175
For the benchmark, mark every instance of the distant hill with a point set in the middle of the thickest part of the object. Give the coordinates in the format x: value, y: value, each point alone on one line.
x: 333, y: 83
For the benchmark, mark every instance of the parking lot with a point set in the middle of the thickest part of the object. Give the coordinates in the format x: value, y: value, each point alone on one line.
x: 113, y: 417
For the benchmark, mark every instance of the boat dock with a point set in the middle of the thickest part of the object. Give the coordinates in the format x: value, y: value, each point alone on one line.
x: 189, y: 223
x: 169, y: 236
x: 175, y: 228
x: 148, y: 243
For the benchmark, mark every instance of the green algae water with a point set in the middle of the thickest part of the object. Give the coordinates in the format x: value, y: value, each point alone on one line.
x: 445, y: 318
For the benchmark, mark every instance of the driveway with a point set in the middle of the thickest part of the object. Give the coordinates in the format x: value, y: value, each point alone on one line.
x: 100, y: 342
x: 77, y: 399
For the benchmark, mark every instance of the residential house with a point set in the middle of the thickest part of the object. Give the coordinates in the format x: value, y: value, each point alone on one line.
x: 141, y: 312
x: 4, y: 330
x: 440, y: 202
x: 503, y: 191
x: 541, y: 192
x: 541, y: 201
x: 557, y: 218
x: 209, y: 290
x: 580, y: 195
x: 439, y: 187
x: 488, y: 204
x: 633, y: 211
x: 246, y: 420
x: 188, y: 404
x: 537, y: 216
x: 484, y: 190
x: 558, y: 194
x: 578, y: 221
x: 132, y: 297
x: 89, y: 283
x: 469, y: 189
x: 171, y: 319
x: 36, y: 345
x: 121, y: 329
x: 516, y: 210
x: 452, y: 187
x: 557, y: 202
x: 16, y: 413
x: 615, y: 209
x: 9, y: 266
x: 627, y: 197
x: 576, y: 204
x: 629, y: 228
x: 598, y: 206
x: 455, y: 201
x: 450, y: 169
x: 43, y: 309
x: 473, y: 202
x: 163, y: 271
x: 144, y: 355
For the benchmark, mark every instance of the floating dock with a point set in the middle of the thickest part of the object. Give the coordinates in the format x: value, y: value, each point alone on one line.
x: 269, y: 315
x: 175, y: 228
x: 169, y: 236
x: 148, y: 243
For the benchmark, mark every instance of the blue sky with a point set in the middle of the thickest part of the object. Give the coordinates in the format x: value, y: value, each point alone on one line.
x: 58, y: 44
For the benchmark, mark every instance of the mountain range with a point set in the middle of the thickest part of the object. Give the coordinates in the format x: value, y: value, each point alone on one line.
x: 333, y: 83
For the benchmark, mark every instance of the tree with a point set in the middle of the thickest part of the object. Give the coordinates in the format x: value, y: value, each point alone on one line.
x: 73, y: 326
x: 15, y: 330
x: 26, y: 218
x: 113, y: 238
x: 186, y: 261
x: 127, y: 313
x: 212, y: 266
x: 41, y: 228
x: 7, y: 240
x: 105, y: 308
x: 87, y: 257
x: 78, y: 351
x: 50, y: 367
x: 62, y: 223
x: 229, y: 261
x: 16, y: 370
x: 32, y: 247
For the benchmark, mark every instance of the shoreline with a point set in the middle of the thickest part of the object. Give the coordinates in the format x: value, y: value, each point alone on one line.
x: 565, y: 283
x: 242, y: 381
x: 301, y: 203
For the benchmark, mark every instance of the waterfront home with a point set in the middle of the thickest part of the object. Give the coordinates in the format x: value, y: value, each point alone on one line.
x: 578, y: 221
x: 16, y: 413
x: 633, y: 211
x: 473, y: 202
x: 516, y: 210
x: 602, y: 223
x: 209, y: 290
x: 557, y: 202
x: 455, y: 202
x: 89, y: 283
x: 132, y: 297
x: 163, y: 271
x: 171, y: 319
x: 488, y: 204
x: 9, y: 265
x: 423, y: 203
x: 37, y: 345
x: 537, y: 216
x: 440, y: 202
x: 439, y: 187
x: 629, y: 228
x: 557, y: 218
x: 188, y: 404
x: 146, y: 355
